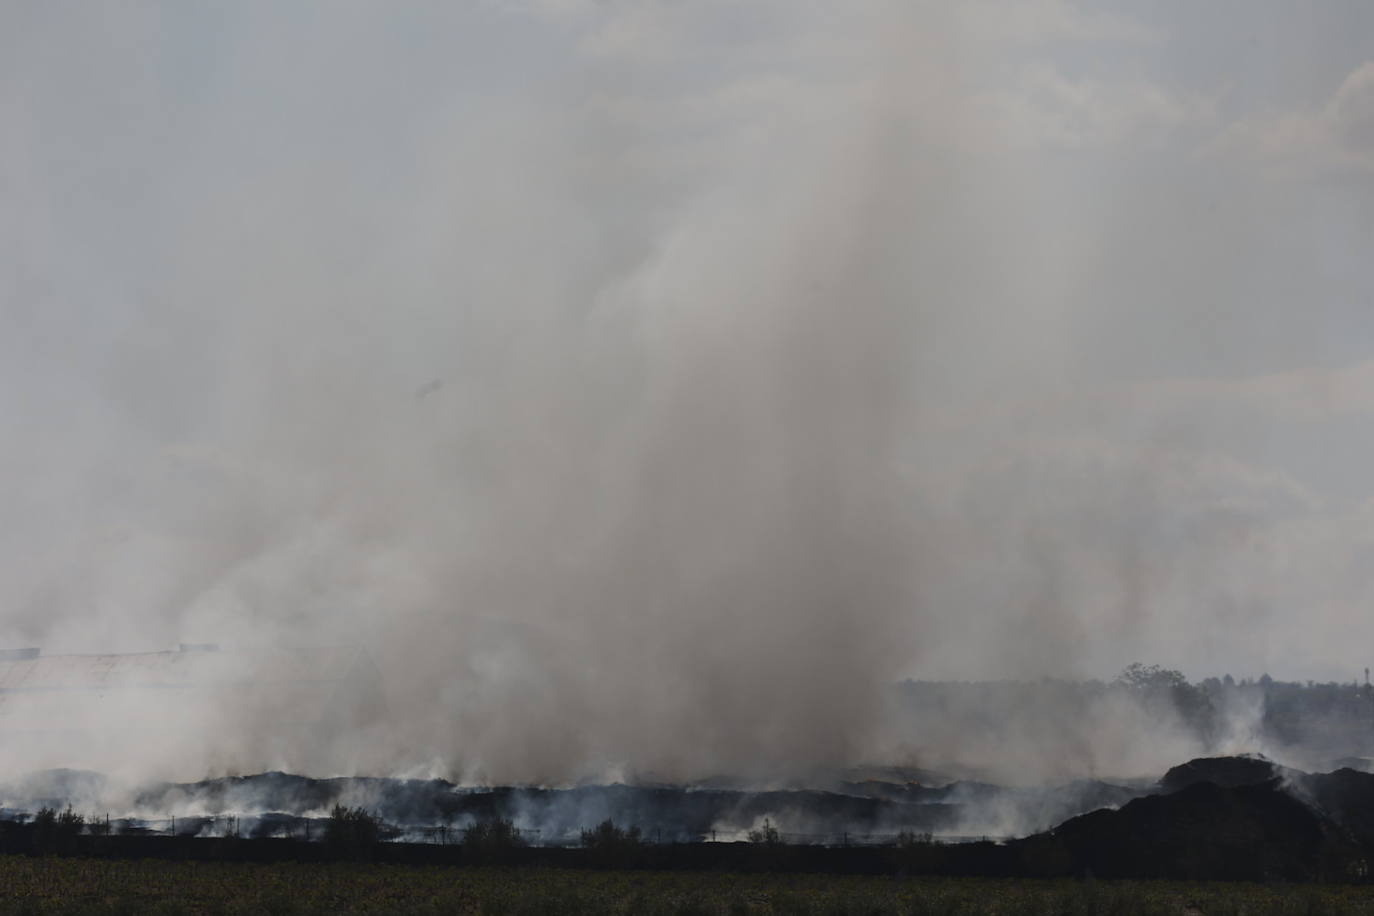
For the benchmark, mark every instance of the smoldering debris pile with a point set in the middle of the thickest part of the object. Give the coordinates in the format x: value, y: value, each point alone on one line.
x: 1229, y: 772
x: 1239, y: 817
x: 857, y: 812
x: 986, y: 809
x: 1205, y: 831
x: 1344, y: 796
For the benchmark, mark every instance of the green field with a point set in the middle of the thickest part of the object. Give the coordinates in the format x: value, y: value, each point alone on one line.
x: 56, y: 885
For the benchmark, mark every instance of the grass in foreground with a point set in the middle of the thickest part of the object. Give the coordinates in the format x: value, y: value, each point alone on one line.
x: 161, y: 887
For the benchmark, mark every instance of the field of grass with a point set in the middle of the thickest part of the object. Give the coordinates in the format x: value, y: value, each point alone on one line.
x: 54, y: 885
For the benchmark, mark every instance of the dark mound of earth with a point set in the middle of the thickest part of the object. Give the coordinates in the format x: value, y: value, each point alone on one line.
x: 1204, y: 831
x: 1359, y: 764
x: 1229, y: 772
x: 1238, y: 818
x: 1346, y: 796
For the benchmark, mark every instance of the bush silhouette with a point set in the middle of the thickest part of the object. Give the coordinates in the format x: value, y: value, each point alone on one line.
x: 352, y: 832
x: 55, y: 832
x: 491, y: 841
x: 612, y: 845
x: 767, y: 835
x: 606, y: 835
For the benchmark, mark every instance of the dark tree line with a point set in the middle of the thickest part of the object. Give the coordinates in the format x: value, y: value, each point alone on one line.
x: 1332, y: 719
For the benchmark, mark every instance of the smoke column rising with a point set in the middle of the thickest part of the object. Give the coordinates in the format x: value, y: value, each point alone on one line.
x: 650, y: 386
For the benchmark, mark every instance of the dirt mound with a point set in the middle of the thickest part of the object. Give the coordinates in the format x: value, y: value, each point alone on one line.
x: 1203, y: 831
x: 1228, y: 772
x: 1346, y: 796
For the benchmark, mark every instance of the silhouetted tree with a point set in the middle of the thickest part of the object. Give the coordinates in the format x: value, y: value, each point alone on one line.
x: 1167, y: 685
x: 352, y: 832
x: 55, y: 831
x: 1139, y: 676
x: 611, y: 845
x: 767, y: 835
x: 491, y: 841
x: 607, y: 835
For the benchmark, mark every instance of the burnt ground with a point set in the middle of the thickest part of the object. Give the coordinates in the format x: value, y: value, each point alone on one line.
x: 860, y: 812
x: 1231, y: 818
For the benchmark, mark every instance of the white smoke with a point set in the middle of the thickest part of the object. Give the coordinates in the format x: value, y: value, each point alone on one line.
x: 649, y: 386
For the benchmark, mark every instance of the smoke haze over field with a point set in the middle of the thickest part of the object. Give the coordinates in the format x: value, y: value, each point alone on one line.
x: 649, y: 386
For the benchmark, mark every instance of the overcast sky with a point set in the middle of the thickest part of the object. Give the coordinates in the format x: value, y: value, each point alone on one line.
x: 364, y: 322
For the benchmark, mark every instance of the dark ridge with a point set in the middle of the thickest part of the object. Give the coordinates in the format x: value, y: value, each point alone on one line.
x: 1229, y: 772
x: 1346, y: 796
x: 1358, y: 764
x: 1203, y: 831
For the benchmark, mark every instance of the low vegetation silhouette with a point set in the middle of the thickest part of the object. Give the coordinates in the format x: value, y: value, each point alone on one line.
x: 767, y: 835
x: 610, y: 845
x: 491, y: 841
x: 352, y: 833
x: 55, y: 832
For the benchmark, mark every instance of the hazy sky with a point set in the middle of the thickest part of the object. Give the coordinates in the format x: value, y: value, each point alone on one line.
x: 871, y: 339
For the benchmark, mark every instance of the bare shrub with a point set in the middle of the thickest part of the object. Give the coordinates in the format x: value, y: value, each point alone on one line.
x: 612, y: 845
x: 767, y: 835
x: 607, y: 835
x: 352, y: 832
x: 491, y: 841
x: 54, y: 832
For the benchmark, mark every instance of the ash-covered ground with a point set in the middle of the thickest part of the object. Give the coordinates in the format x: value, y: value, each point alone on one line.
x: 854, y: 810
x: 1241, y: 817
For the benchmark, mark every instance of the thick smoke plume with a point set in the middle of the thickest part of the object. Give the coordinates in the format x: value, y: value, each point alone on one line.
x: 649, y: 387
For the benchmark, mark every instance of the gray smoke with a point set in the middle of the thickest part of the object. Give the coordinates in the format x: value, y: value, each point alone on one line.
x: 648, y: 386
